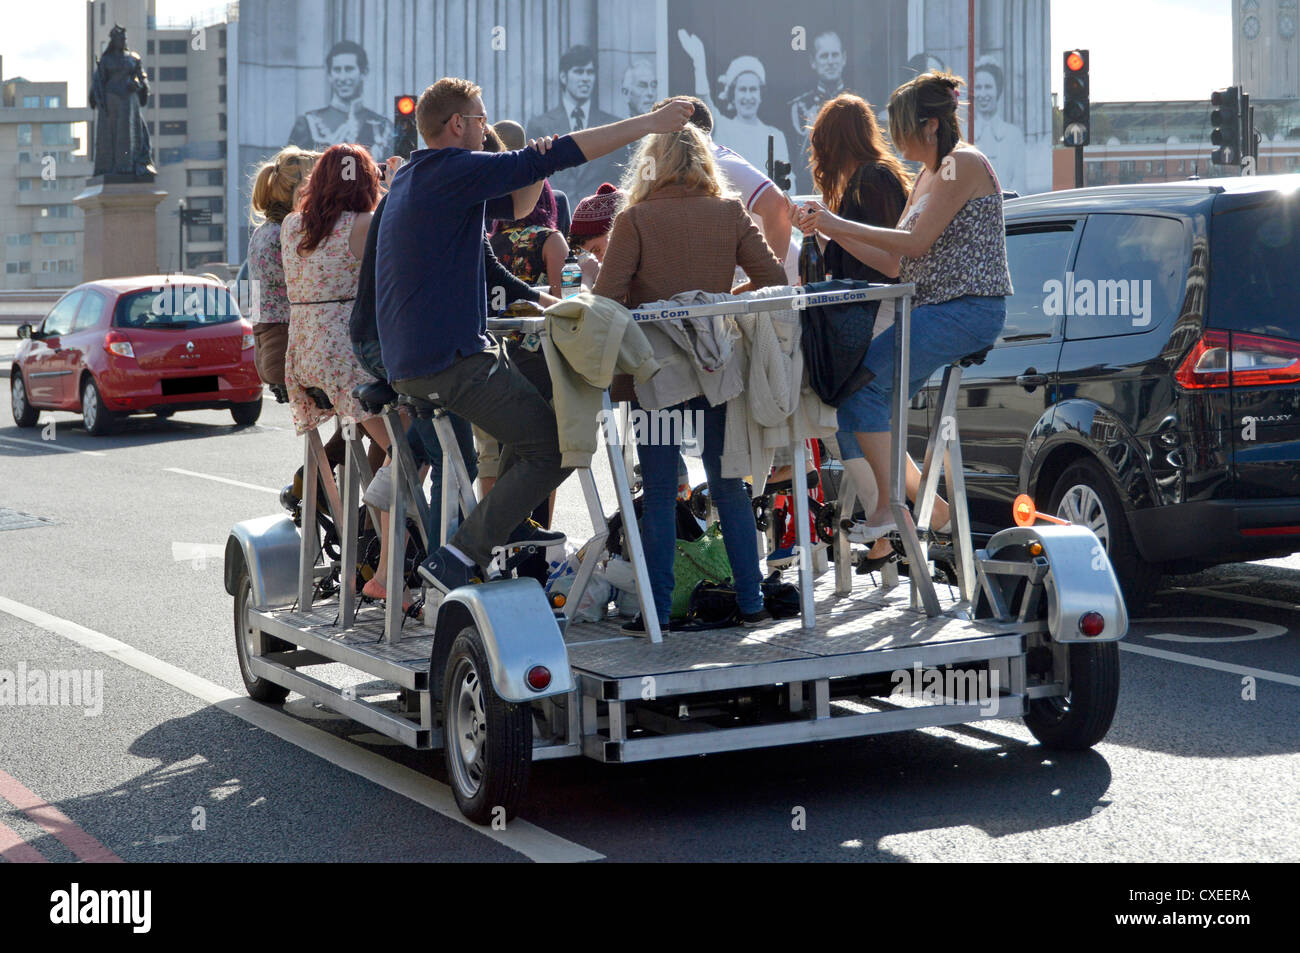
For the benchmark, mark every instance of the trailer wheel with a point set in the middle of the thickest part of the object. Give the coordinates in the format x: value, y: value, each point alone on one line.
x: 488, y: 741
x: 259, y: 689
x: 1080, y: 719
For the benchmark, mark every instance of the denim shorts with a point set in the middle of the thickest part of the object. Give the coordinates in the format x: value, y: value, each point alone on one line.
x: 941, y: 334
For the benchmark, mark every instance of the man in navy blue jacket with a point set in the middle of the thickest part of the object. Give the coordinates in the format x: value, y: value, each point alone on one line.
x: 432, y: 301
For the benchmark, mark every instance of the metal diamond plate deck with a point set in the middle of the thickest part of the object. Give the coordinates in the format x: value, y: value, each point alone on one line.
x: 866, y: 620
x: 367, y: 634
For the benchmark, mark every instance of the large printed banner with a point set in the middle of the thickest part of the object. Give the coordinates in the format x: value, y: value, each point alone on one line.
x: 317, y: 72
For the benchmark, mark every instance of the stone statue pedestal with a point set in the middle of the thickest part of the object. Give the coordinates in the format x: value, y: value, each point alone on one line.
x: 121, y: 236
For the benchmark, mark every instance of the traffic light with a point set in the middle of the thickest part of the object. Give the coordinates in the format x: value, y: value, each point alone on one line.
x: 1077, y: 112
x: 781, y: 175
x: 405, y: 139
x: 1226, y: 120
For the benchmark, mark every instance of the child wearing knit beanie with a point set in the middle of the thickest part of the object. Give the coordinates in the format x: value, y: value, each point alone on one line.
x: 589, y: 231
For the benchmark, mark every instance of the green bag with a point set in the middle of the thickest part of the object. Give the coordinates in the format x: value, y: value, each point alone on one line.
x: 704, y: 560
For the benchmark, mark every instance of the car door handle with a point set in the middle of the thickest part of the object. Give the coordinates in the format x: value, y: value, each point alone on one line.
x: 1031, y: 379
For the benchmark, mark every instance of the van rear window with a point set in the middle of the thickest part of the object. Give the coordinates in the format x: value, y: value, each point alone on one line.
x: 1255, y: 269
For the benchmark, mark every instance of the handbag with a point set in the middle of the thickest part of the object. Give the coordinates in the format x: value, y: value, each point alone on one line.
x: 701, y: 560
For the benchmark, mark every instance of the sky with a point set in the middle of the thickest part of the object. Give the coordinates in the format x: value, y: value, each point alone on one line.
x: 1140, y: 49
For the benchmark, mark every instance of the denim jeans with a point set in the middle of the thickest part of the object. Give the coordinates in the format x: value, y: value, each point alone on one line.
x: 423, y: 439
x: 730, y: 496
x: 426, y: 448
x: 941, y: 334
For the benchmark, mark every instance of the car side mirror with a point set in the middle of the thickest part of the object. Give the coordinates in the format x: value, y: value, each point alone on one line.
x: 24, y: 330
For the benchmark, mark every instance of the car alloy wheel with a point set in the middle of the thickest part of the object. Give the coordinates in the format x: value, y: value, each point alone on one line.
x: 1081, y: 505
x: 89, y: 405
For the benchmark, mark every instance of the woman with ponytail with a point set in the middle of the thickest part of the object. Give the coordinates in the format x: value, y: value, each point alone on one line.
x: 950, y: 242
x: 275, y: 187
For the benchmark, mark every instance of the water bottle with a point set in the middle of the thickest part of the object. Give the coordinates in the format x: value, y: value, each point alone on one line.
x: 570, y: 277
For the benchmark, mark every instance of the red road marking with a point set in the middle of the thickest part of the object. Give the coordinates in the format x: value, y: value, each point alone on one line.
x: 55, y: 822
x: 16, y: 850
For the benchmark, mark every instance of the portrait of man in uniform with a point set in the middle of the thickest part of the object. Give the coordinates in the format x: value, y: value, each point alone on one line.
x: 346, y: 118
x: 827, y: 59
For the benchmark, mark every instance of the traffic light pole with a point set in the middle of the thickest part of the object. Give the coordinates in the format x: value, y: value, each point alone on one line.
x: 1078, y: 167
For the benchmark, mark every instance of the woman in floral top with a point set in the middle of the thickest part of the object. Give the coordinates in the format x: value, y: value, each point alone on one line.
x: 275, y: 188
x: 532, y: 248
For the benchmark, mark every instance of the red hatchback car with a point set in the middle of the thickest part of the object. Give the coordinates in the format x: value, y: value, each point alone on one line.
x: 153, y: 344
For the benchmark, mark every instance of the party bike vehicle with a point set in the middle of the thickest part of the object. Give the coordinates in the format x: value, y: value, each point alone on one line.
x: 499, y: 674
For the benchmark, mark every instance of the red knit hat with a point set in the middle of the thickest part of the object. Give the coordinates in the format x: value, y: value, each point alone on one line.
x: 594, y: 215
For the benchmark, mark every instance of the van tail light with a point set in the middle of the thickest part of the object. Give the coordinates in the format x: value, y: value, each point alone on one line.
x: 115, y: 342
x: 1224, y: 358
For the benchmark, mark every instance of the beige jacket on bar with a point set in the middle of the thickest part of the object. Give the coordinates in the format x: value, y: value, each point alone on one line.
x: 587, y: 340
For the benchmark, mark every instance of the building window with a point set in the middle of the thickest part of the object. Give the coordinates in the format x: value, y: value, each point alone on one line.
x: 194, y: 259
x: 18, y: 241
x: 222, y: 34
x: 221, y: 94
x: 169, y: 156
x: 221, y: 66
x: 24, y: 157
x: 207, y: 233
x: 206, y: 177
x: 172, y: 74
x: 221, y: 122
x: 18, y: 267
x: 172, y: 100
x: 57, y: 211
x: 172, y: 47
x: 52, y: 102
x: 148, y: 46
x: 49, y: 185
x: 213, y: 202
x: 24, y: 133
x: 56, y: 134
x: 24, y: 185
x: 31, y: 102
x: 173, y: 127
x: 103, y: 10
x: 50, y: 238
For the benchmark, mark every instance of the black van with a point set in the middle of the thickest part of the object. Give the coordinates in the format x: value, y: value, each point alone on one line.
x: 1147, y: 382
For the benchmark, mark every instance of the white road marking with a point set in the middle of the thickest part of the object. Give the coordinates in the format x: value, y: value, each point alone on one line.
x: 51, y: 445
x: 1229, y: 667
x: 1235, y: 597
x: 1257, y: 630
x: 528, y: 839
x: 217, y: 479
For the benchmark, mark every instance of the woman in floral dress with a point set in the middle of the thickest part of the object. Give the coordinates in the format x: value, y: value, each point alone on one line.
x: 322, y: 243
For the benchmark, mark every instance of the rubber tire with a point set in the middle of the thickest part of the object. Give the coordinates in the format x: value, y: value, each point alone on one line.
x: 164, y: 414
x: 508, y: 748
x: 259, y: 689
x: 1083, y: 718
x: 1138, y: 579
x: 246, y: 414
x: 30, y: 414
x: 105, y: 420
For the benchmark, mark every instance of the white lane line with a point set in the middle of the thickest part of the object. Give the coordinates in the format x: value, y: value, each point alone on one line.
x: 528, y: 839
x: 51, y: 445
x: 1279, y: 677
x: 1235, y: 597
x: 217, y: 479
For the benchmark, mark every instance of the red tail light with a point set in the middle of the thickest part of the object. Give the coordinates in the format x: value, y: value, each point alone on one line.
x: 1092, y: 624
x: 246, y: 338
x: 538, y: 677
x: 1223, y: 358
x: 115, y: 342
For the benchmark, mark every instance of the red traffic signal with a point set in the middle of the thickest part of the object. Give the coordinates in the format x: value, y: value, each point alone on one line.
x: 1075, y: 109
x: 1074, y: 61
x: 405, y: 105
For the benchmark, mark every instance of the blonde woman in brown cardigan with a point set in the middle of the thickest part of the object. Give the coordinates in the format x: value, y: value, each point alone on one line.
x: 680, y: 230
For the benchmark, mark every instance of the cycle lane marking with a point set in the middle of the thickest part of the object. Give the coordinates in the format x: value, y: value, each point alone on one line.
x: 523, y: 837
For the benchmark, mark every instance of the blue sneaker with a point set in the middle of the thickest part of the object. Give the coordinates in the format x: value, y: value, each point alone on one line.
x: 781, y: 558
x: 445, y: 572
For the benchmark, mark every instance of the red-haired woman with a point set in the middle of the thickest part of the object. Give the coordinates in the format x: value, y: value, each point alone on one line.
x: 322, y: 243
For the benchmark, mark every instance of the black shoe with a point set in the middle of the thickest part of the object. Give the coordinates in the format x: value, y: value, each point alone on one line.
x: 636, y: 626
x: 445, y: 572
x: 534, y: 533
x: 751, y: 619
x: 870, y: 564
